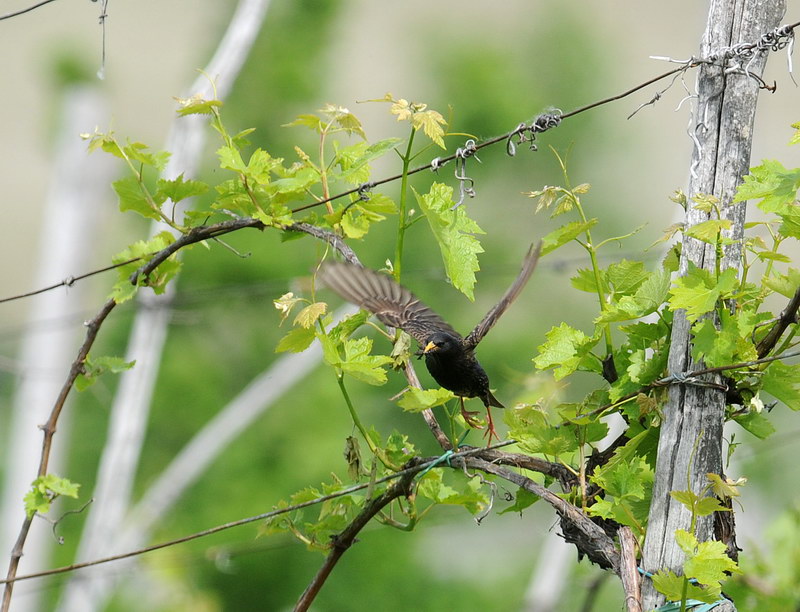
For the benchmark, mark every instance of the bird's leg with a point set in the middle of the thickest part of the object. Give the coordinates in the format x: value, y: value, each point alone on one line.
x: 491, y: 432
x: 469, y: 416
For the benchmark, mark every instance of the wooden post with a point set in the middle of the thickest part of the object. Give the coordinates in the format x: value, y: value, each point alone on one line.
x: 691, y: 434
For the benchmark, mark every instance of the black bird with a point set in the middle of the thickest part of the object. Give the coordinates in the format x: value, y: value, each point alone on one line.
x: 449, y: 358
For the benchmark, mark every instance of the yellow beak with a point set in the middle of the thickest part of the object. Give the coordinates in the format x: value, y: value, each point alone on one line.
x: 429, y: 347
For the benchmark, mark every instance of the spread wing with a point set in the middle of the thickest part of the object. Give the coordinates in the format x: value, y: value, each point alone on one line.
x: 528, y: 266
x: 393, y: 304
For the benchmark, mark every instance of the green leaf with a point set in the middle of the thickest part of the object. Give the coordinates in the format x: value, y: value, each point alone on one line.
x: 44, y: 490
x: 686, y: 541
x: 431, y: 123
x: 131, y: 197
x: 687, y: 498
x: 698, y: 292
x: 782, y: 381
x: 795, y: 139
x: 585, y: 280
x: 362, y: 366
x: 791, y: 223
x: 771, y: 183
x: 647, y: 299
x: 728, y: 344
x: 523, y: 499
x: 756, y: 423
x: 231, y: 159
x: 459, y: 490
x: 308, y: 120
x: 95, y: 367
x: 564, y: 350
x: 708, y: 506
x: 705, y: 202
x: 259, y: 167
x: 197, y: 106
x: 309, y: 315
x: 417, y: 400
x: 138, y: 152
x: 296, y: 341
x: 785, y: 284
x: 708, y: 231
x: 565, y: 234
x: 454, y: 231
x: 624, y: 479
x: 710, y: 563
x: 625, y: 276
x: 354, y: 160
x: 123, y: 288
x: 344, y: 328
x: 399, y: 449
x: 668, y: 584
x: 178, y: 189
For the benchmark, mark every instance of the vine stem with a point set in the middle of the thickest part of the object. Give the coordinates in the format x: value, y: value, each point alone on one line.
x: 401, y: 223
x: 360, y: 426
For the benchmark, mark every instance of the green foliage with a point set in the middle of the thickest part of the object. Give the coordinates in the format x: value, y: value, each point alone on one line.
x: 455, y: 233
x: 417, y: 400
x: 621, y: 356
x: 132, y: 259
x: 44, y: 490
x: 454, y: 488
x: 95, y: 367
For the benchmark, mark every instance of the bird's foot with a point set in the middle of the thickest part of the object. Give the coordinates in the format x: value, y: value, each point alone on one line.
x: 490, y: 432
x: 470, y: 418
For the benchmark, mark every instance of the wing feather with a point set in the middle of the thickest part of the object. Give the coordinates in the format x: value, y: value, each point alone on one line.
x: 482, y: 328
x: 390, y: 302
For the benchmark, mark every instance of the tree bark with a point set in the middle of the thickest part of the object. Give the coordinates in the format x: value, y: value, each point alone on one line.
x: 690, y: 444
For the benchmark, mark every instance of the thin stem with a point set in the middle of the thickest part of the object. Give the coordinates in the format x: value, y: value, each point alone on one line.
x: 360, y: 426
x: 403, y: 214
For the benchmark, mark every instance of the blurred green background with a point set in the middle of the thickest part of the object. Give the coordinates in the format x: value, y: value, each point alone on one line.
x: 494, y: 66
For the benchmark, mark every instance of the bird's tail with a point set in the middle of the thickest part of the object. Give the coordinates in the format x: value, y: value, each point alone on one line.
x: 491, y: 400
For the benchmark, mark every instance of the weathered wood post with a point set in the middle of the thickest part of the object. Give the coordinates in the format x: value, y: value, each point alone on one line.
x: 693, y: 416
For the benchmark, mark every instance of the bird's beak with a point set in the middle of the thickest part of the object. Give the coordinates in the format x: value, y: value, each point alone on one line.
x: 429, y: 347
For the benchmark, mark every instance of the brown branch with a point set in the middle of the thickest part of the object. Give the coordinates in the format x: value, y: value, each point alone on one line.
x: 341, y: 542
x: 427, y: 414
x: 787, y: 317
x: 333, y: 239
x: 629, y: 570
x: 579, y: 529
x: 560, y: 472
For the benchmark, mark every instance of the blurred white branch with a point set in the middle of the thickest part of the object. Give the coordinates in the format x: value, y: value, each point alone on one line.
x: 130, y: 411
x: 77, y: 192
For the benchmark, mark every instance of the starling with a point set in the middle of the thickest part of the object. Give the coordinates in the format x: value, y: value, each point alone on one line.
x: 449, y: 357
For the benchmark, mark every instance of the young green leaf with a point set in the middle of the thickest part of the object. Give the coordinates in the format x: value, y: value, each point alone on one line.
x: 362, y: 366
x: 309, y: 315
x: 95, y: 367
x: 565, y: 350
x: 296, y: 341
x: 44, y: 490
x: 131, y: 197
x: 698, y: 291
x: 417, y: 400
x: 564, y: 234
x: 455, y: 233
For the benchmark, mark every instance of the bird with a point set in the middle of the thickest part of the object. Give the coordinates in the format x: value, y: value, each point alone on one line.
x: 449, y: 357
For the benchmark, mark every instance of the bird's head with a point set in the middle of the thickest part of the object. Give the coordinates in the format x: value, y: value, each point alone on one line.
x: 440, y: 342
